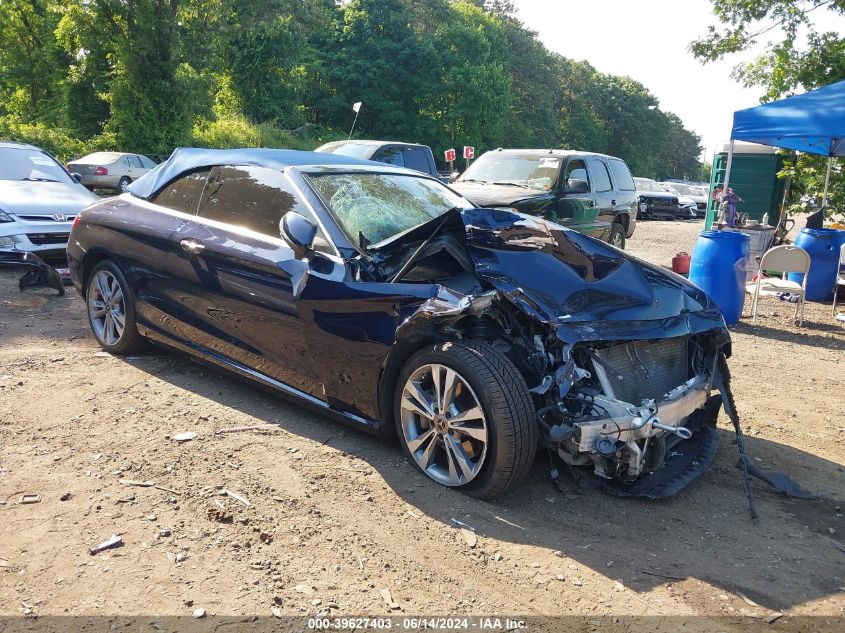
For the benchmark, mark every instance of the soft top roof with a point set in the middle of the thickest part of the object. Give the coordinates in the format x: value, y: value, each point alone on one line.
x: 186, y: 159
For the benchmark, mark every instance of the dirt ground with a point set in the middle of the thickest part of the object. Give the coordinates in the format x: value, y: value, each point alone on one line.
x: 331, y: 521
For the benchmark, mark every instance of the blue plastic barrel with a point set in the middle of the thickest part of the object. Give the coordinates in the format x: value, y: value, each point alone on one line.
x: 823, y: 247
x: 718, y: 266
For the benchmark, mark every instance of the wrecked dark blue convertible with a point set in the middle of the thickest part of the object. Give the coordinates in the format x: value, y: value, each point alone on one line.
x: 381, y: 297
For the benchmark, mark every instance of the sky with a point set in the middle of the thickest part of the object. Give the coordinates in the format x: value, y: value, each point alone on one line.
x: 647, y: 40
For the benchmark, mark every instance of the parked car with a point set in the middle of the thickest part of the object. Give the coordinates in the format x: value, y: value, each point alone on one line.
x: 38, y: 202
x: 383, y: 298
x: 655, y: 201
x: 110, y: 170
x: 688, y: 192
x: 590, y: 193
x: 410, y: 155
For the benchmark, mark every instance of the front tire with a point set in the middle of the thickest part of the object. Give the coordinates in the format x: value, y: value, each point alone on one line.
x: 617, y: 236
x: 465, y: 418
x: 111, y: 311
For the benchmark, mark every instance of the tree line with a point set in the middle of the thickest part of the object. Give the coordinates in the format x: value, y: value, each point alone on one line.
x: 150, y: 75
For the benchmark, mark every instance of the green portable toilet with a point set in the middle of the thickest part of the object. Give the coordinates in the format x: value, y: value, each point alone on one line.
x: 754, y: 179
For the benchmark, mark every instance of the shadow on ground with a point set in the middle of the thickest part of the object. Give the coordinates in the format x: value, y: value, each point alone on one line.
x: 705, y: 532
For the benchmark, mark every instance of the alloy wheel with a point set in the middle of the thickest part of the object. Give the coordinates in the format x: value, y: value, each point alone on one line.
x: 106, y: 307
x: 443, y: 425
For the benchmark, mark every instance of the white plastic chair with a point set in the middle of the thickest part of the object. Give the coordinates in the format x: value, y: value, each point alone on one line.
x: 787, y: 259
x: 840, y: 276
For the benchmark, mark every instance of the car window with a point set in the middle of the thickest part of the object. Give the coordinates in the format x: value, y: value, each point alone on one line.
x: 125, y: 161
x: 576, y: 170
x: 146, y: 163
x: 183, y: 194
x: 134, y: 161
x: 380, y: 206
x: 254, y: 198
x: 390, y: 155
x: 22, y: 163
x: 416, y: 158
x: 621, y: 175
x: 601, y: 178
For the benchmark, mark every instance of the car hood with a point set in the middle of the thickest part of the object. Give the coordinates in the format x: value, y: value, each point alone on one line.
x: 34, y: 198
x: 485, y: 195
x: 582, y: 286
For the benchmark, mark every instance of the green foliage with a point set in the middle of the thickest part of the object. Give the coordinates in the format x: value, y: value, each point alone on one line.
x: 808, y: 172
x: 151, y: 75
x: 785, y: 64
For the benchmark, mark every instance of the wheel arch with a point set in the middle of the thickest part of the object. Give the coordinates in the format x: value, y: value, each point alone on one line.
x: 91, y: 259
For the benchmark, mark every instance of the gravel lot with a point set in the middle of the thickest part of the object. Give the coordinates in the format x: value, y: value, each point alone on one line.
x: 339, y: 523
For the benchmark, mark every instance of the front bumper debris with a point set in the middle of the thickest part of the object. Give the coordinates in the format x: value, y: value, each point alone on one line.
x: 39, y: 274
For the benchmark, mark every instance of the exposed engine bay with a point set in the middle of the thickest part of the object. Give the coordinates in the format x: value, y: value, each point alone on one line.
x: 624, y: 401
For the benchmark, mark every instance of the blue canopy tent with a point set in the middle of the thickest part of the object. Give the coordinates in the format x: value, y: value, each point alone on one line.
x: 813, y: 122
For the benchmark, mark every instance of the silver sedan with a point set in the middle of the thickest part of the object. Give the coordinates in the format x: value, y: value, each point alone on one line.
x: 110, y: 170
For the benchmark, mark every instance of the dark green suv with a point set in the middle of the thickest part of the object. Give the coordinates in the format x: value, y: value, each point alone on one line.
x: 590, y: 193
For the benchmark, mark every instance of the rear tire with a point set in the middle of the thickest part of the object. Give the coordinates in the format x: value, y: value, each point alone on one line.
x: 123, y: 184
x: 474, y: 430
x: 617, y: 236
x: 111, y: 310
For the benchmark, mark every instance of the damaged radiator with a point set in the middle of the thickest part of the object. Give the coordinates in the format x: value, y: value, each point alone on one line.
x: 642, y: 370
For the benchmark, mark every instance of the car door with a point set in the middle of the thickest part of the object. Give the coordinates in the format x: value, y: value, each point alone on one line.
x: 577, y: 210
x: 236, y: 279
x: 605, y: 196
x: 143, y: 246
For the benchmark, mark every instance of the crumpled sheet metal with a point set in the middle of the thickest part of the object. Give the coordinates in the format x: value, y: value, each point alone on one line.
x: 39, y: 274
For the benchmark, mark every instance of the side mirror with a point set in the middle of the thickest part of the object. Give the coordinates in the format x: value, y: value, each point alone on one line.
x: 573, y: 185
x: 299, y: 232
x: 454, y: 176
x: 77, y: 177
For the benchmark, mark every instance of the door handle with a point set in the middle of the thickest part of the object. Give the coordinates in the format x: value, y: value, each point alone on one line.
x: 192, y: 246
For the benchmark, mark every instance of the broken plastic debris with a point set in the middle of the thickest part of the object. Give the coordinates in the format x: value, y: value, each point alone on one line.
x: 780, y: 481
x: 133, y: 482
x: 388, y: 599
x: 461, y: 524
x: 237, y: 497
x: 185, y: 437
x: 469, y: 536
x: 31, y: 498
x: 102, y: 355
x: 114, y: 541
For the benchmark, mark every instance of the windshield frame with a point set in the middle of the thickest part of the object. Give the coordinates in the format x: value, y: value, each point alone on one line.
x: 309, y: 174
x: 30, y: 151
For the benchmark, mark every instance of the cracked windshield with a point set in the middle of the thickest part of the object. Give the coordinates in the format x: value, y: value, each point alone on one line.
x: 380, y: 206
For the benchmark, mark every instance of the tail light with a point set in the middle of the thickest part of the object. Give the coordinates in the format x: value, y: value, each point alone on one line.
x: 76, y: 220
x: 101, y: 171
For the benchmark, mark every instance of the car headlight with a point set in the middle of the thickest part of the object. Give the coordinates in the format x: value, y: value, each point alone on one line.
x: 643, y: 206
x: 7, y: 241
x: 5, y: 217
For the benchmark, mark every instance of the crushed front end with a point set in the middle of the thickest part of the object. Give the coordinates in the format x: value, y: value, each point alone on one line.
x: 620, y: 356
x: 636, y: 416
